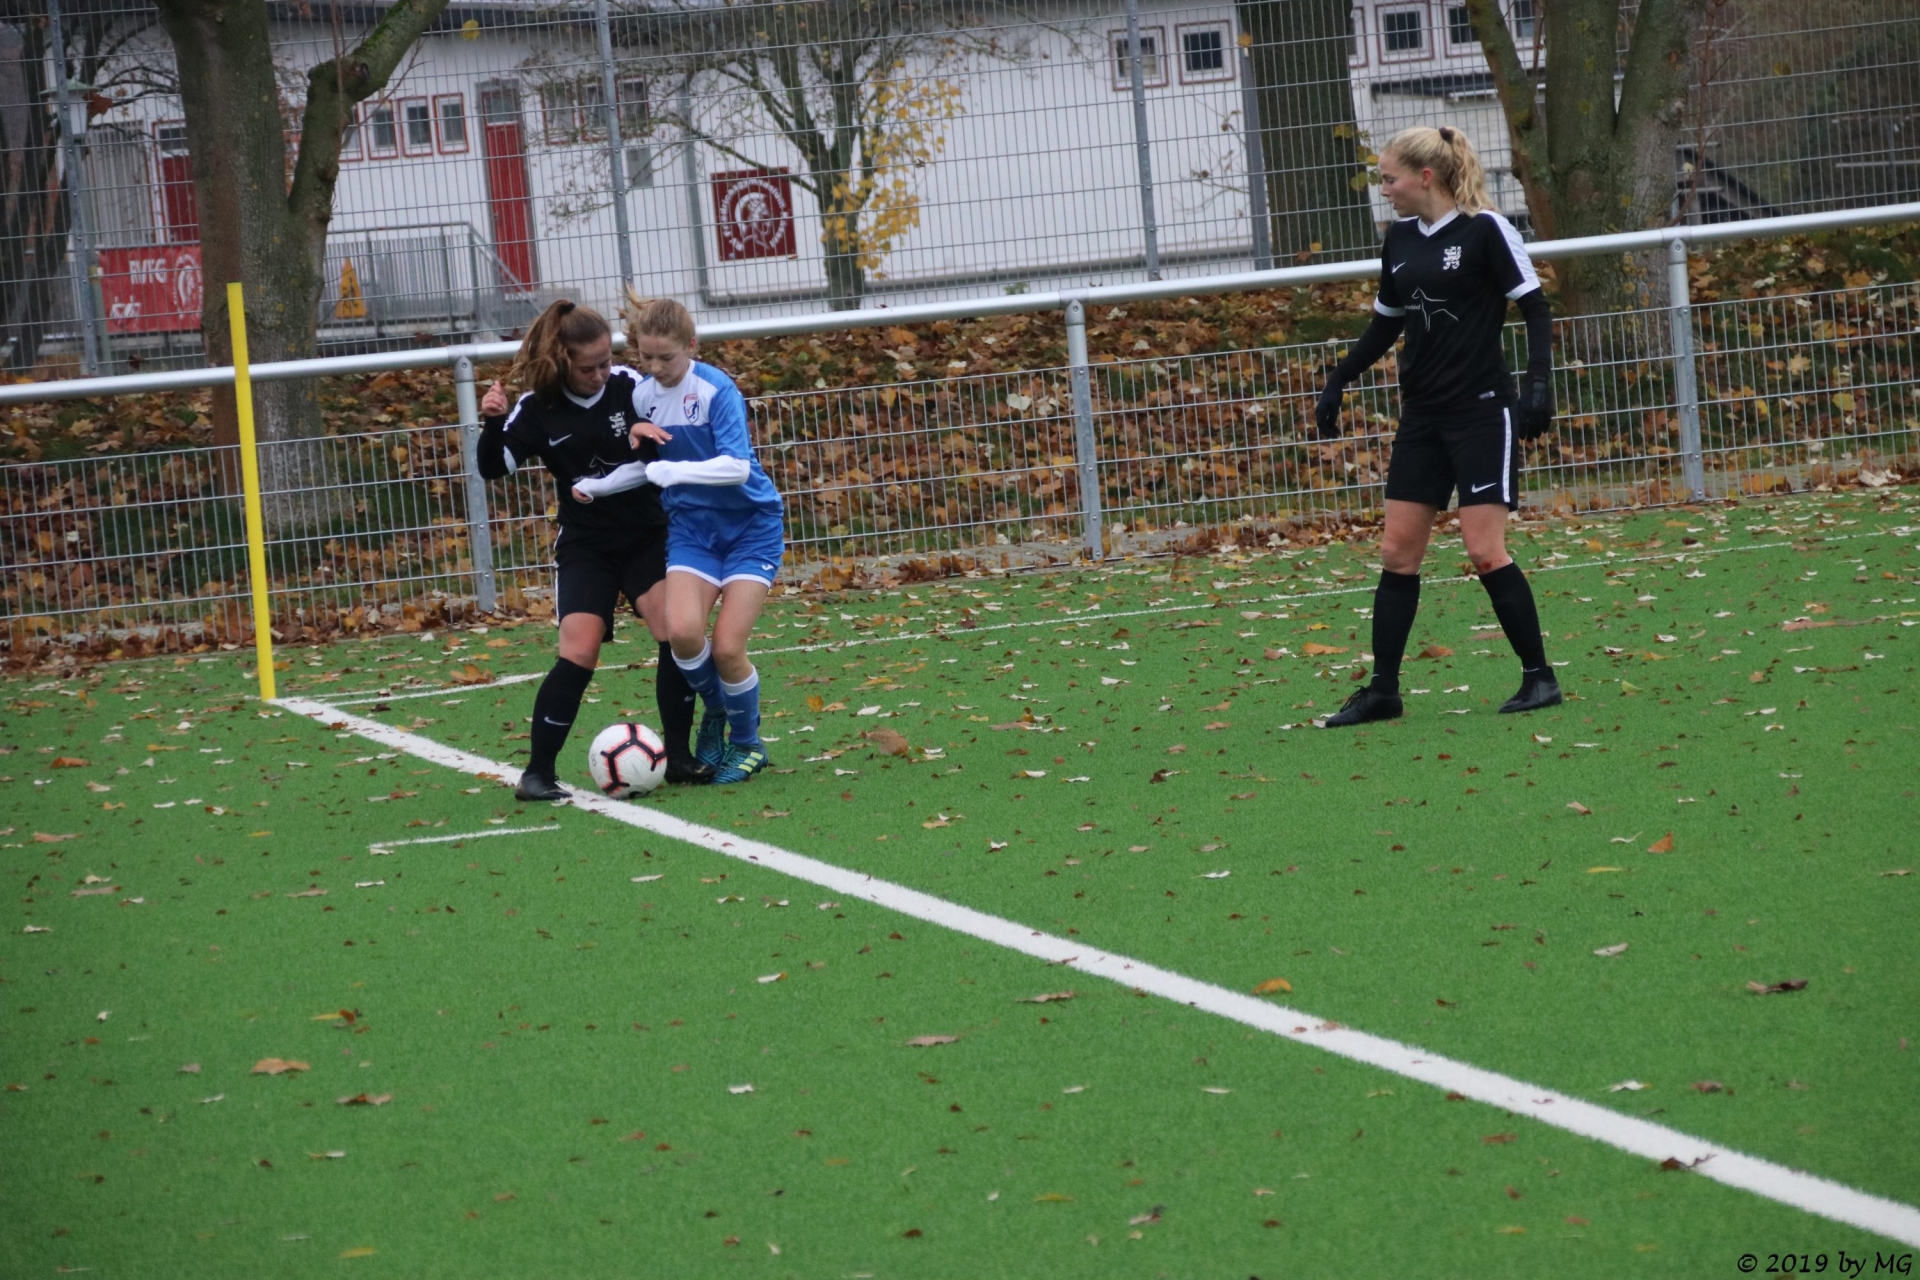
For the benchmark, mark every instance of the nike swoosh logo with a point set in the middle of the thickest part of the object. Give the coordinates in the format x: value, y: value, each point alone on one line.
x: 561, y: 440
x: 559, y: 723
x: 1398, y: 265
x: 1477, y: 488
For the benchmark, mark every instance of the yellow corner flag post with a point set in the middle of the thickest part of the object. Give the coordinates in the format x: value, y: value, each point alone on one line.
x: 250, y: 484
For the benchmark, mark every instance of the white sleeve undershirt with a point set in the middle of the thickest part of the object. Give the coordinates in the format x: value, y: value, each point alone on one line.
x: 713, y: 471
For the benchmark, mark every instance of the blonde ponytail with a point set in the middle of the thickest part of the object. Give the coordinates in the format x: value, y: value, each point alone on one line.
x: 1447, y: 151
x: 564, y: 327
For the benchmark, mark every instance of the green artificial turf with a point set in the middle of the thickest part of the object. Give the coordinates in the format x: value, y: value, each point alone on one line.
x: 530, y: 1008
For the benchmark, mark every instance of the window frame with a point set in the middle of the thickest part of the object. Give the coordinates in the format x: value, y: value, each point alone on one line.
x: 559, y: 124
x: 1121, y: 78
x: 352, y: 147
x: 1357, y: 38
x: 1227, y: 71
x: 439, y: 125
x: 404, y: 125
x: 1472, y: 41
x: 1423, y: 53
x: 371, y: 124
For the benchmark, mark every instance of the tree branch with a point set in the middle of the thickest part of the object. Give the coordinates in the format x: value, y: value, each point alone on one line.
x: 1526, y: 131
x: 333, y: 88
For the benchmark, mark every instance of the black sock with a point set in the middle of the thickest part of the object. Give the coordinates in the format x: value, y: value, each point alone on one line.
x: 554, y: 709
x: 676, y: 700
x: 1513, y: 605
x: 1395, y: 601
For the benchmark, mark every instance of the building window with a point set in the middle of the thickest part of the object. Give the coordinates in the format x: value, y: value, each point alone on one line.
x: 636, y: 130
x: 1153, y: 68
x: 1402, y: 31
x: 1203, y: 51
x: 559, y: 113
x: 350, y: 136
x: 450, y: 116
x: 1525, y: 18
x: 592, y: 124
x: 416, y: 127
x: 1459, y: 26
x: 383, y: 136
x: 1356, y: 37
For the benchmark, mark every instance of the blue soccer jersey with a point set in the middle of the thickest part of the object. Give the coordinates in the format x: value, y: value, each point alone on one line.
x: 707, y: 417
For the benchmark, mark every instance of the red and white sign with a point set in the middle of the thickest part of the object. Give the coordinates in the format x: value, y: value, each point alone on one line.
x: 753, y: 214
x: 152, y: 289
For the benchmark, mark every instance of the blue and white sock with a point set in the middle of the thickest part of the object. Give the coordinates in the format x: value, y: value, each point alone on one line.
x: 743, y: 709
x: 701, y: 675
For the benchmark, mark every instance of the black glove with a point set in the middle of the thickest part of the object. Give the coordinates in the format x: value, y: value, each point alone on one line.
x: 1326, y: 412
x: 1536, y: 406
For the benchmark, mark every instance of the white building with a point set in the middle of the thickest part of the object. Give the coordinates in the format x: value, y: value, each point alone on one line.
x: 477, y: 186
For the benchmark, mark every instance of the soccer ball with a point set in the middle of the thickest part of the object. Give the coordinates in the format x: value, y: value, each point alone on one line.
x: 627, y: 760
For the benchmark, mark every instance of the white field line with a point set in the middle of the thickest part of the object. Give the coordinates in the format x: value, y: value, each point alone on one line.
x: 388, y: 846
x: 1638, y: 1137
x: 1087, y: 617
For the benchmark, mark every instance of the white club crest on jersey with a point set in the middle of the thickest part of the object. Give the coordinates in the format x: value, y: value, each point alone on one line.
x: 690, y: 406
x: 618, y: 421
x: 1450, y: 258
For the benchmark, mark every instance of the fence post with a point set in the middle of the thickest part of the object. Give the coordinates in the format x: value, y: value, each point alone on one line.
x: 616, y: 153
x: 1686, y: 388
x: 86, y: 300
x: 1086, y: 443
x: 1149, y: 224
x: 479, y: 519
x: 1256, y: 163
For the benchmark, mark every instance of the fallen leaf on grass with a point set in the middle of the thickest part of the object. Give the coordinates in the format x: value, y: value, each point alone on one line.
x: 276, y: 1066
x: 1435, y: 651
x: 43, y: 837
x: 1777, y: 988
x: 1051, y: 1197
x: 888, y: 740
x: 366, y: 1100
x: 363, y: 1251
x: 309, y: 893
x: 1048, y: 998
x: 471, y: 674
x: 1707, y: 1086
x: 1578, y: 808
x: 648, y: 879
x: 1214, y: 1088
x: 97, y: 787
x: 1272, y: 985
x: 1314, y: 649
x: 69, y: 762
x: 739, y: 1088
x: 1663, y: 845
x: 927, y: 1042
x: 1613, y: 950
x: 766, y: 978
x: 38, y: 928
x: 1626, y: 1086
x: 1498, y: 1139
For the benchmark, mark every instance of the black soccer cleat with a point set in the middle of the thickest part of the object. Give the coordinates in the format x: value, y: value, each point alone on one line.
x: 1537, y: 693
x: 1367, y: 703
x: 683, y: 769
x: 538, y: 788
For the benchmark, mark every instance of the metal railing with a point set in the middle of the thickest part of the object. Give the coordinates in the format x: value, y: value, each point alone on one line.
x: 1680, y: 402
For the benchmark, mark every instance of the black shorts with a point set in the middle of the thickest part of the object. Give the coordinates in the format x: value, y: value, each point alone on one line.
x: 1474, y: 451
x: 596, y: 567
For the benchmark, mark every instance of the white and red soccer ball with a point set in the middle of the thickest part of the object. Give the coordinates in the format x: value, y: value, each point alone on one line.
x: 627, y: 760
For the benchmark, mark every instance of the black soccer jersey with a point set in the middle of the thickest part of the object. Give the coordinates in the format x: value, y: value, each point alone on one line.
x: 1452, y: 281
x: 577, y: 437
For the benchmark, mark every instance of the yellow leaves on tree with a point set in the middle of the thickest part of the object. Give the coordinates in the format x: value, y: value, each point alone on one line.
x: 866, y: 211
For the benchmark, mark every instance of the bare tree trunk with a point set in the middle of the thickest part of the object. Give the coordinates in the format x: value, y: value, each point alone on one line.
x: 261, y: 229
x: 1596, y: 164
x: 33, y: 205
x: 1309, y: 144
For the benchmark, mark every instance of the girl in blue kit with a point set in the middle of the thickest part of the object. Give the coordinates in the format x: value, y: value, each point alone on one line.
x: 725, y: 530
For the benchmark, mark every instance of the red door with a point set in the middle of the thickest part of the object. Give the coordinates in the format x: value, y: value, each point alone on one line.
x: 177, y: 204
x: 509, y: 198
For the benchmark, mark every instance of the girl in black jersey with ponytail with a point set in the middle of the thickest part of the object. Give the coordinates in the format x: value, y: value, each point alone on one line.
x: 1447, y: 272
x: 576, y: 418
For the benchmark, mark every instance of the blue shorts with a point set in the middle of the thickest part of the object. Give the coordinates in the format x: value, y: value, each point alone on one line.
x: 742, y: 549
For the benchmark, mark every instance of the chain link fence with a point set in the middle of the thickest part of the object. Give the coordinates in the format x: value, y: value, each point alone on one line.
x: 761, y: 158
x: 147, y: 551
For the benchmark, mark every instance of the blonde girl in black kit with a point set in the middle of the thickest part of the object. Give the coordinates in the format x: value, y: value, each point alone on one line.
x: 1447, y: 272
